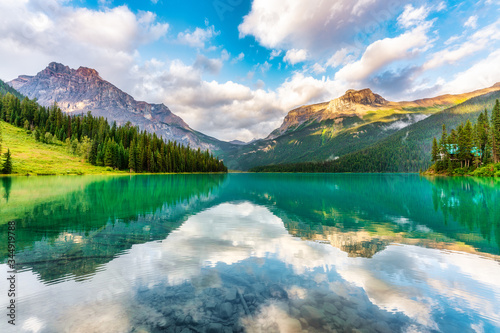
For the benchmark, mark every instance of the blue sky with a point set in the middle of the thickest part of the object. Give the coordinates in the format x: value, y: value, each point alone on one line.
x: 233, y: 69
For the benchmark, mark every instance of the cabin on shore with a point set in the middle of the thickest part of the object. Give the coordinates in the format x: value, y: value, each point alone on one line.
x: 452, y: 150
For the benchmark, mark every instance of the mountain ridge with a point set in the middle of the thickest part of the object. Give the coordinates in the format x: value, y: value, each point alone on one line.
x: 351, y: 122
x: 359, y: 102
x: 83, y: 89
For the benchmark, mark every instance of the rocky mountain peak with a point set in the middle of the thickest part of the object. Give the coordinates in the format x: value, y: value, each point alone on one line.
x: 81, y: 90
x: 352, y: 100
x: 363, y: 96
x: 58, y: 68
x: 87, y: 72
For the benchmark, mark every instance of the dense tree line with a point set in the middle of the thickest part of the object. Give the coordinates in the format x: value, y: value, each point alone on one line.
x: 469, y: 146
x: 98, y: 142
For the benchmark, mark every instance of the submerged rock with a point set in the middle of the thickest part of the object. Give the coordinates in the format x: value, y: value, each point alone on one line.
x: 277, y: 292
x: 226, y: 310
x: 312, y: 315
x: 214, y: 328
x: 231, y: 294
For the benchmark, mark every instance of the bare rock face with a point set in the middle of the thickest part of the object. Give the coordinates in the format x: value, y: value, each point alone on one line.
x: 82, y: 90
x: 352, y: 98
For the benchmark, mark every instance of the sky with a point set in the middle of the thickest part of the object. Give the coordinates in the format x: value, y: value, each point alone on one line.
x: 233, y: 69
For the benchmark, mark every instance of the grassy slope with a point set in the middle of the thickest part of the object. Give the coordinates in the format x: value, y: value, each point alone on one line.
x: 30, y: 156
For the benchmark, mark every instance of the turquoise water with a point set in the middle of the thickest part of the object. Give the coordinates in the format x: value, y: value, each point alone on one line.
x: 252, y: 253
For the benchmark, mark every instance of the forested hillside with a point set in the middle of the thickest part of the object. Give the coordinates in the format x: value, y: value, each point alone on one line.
x: 102, y: 144
x: 468, y: 147
x: 5, y: 88
x: 407, y: 150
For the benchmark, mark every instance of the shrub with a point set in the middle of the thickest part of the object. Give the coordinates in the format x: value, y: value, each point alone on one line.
x: 48, y: 138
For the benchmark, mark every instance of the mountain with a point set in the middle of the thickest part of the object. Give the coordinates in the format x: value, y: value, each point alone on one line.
x: 407, y: 150
x: 5, y: 89
x: 330, y: 130
x: 82, y: 90
x: 351, y: 104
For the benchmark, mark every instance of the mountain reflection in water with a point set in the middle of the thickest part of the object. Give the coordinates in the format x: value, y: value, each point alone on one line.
x: 283, y: 253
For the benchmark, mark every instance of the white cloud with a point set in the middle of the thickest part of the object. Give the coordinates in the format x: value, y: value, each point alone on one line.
x: 483, y: 74
x: 212, y: 66
x: 383, y: 52
x: 295, y: 56
x: 231, y: 233
x: 318, y: 69
x: 441, y: 6
x: 478, y: 41
x: 341, y: 57
x: 274, y: 54
x: 34, y: 33
x: 227, y: 110
x: 296, y: 24
x: 238, y: 58
x: 198, y: 38
x: 413, y: 16
x: 453, y: 39
x: 471, y: 22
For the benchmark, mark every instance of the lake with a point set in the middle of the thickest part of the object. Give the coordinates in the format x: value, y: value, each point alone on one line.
x: 251, y: 253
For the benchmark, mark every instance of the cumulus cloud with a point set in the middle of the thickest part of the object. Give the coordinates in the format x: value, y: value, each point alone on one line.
x: 383, y: 52
x: 396, y: 83
x: 295, y: 56
x: 206, y: 64
x: 341, y: 57
x: 198, y: 38
x: 36, y: 33
x: 413, y: 16
x: 297, y: 24
x: 227, y: 110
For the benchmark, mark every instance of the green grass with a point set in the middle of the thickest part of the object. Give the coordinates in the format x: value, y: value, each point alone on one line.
x: 36, y: 158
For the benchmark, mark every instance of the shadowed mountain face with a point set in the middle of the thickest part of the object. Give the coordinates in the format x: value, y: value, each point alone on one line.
x: 83, y: 90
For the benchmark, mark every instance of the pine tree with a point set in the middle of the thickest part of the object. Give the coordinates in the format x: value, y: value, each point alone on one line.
x: 495, y: 132
x: 108, y: 154
x: 7, y: 165
x: 93, y: 152
x: 467, y: 143
x: 443, y: 148
x: 435, y: 150
x: 132, y: 154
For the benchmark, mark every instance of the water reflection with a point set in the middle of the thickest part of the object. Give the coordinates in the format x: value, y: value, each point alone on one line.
x: 106, y: 216
x: 6, y: 184
x: 259, y: 253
